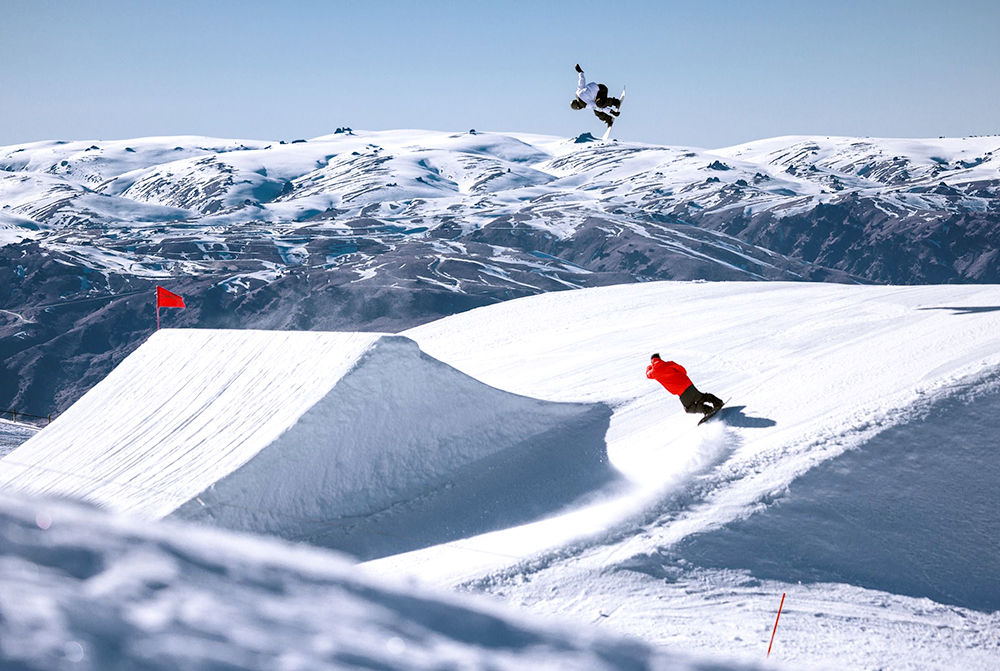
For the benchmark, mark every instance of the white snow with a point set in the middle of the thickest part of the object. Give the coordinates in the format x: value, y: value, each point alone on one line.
x: 14, y: 434
x: 813, y: 372
x: 221, y: 182
x: 188, y: 408
x: 82, y: 590
x: 414, y: 181
x: 858, y: 356
x: 292, y: 432
x: 966, y: 158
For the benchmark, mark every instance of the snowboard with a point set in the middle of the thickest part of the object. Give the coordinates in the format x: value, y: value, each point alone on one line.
x: 713, y: 413
x: 621, y: 99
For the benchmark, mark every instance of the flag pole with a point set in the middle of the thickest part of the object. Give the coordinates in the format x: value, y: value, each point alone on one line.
x: 166, y: 299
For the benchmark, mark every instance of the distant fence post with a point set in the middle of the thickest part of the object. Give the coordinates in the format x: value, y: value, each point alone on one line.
x: 27, y: 417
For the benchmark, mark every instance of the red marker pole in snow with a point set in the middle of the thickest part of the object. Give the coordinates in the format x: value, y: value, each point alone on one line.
x: 773, y: 631
x: 166, y: 299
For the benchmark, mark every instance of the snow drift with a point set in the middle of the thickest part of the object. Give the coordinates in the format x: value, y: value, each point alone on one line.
x: 293, y: 433
x: 88, y: 591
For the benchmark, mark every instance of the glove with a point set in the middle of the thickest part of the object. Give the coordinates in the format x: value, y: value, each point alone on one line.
x: 578, y: 68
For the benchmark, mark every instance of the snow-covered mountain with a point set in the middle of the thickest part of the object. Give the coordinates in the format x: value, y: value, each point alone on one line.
x: 386, y: 230
x: 893, y: 211
x: 854, y: 469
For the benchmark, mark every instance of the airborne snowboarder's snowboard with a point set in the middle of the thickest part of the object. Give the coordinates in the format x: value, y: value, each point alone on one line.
x: 713, y: 413
x: 621, y: 99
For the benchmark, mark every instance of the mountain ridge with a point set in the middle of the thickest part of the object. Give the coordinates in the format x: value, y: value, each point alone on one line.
x: 363, y: 230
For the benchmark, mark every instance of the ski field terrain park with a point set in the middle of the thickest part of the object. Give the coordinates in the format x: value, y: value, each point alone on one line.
x: 505, y: 489
x: 500, y: 336
x: 386, y: 230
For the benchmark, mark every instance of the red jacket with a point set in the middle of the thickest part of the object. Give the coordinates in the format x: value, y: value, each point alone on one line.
x: 671, y: 375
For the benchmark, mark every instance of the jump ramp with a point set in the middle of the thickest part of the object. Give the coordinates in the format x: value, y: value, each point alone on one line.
x: 358, y: 441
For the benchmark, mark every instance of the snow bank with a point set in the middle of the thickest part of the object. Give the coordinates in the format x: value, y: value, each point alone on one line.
x: 87, y: 591
x: 289, y: 433
x: 913, y: 512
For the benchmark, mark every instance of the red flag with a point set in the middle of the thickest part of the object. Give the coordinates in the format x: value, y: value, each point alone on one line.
x: 165, y: 299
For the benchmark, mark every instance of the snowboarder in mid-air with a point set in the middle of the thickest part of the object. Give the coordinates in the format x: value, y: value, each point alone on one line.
x: 674, y: 378
x: 595, y: 96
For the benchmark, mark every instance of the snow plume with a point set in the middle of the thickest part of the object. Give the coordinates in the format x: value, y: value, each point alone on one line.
x: 693, y: 453
x: 672, y: 480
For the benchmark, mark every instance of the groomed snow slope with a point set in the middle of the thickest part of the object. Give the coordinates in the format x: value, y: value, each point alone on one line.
x: 290, y: 433
x: 812, y: 371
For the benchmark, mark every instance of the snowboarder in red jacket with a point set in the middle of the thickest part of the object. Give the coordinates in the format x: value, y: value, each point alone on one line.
x: 674, y: 378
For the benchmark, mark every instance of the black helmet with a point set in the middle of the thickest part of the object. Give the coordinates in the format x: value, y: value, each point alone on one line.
x: 655, y: 356
x: 577, y: 104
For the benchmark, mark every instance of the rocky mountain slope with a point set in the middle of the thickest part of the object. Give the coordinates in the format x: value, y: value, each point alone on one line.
x: 386, y: 230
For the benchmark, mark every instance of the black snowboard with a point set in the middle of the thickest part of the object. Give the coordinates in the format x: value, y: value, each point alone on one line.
x: 713, y: 413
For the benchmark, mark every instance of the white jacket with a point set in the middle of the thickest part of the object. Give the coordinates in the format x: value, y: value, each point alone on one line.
x: 587, y: 92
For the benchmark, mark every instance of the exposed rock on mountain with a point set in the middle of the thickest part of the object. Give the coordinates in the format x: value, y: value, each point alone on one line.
x: 385, y: 230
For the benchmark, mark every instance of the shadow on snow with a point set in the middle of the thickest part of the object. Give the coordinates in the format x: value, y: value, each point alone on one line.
x: 541, y: 477
x: 912, y: 512
x: 733, y: 415
x: 967, y: 310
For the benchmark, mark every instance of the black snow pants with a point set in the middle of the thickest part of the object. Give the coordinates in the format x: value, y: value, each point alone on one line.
x: 606, y: 118
x: 603, y: 100
x: 696, y: 402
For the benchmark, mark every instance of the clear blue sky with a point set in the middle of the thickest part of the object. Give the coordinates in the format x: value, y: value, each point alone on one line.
x: 706, y: 73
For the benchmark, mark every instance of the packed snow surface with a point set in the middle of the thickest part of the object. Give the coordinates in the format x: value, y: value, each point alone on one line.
x: 178, y: 414
x: 662, y: 543
x: 291, y: 433
x: 811, y: 372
